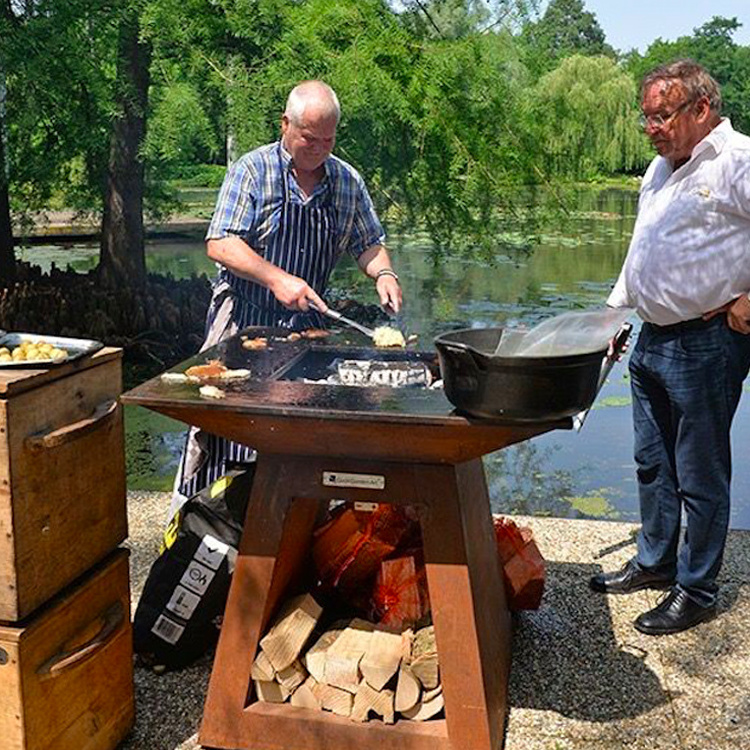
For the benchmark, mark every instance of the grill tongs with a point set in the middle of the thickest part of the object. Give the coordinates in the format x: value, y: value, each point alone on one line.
x: 330, y: 313
x: 618, y: 345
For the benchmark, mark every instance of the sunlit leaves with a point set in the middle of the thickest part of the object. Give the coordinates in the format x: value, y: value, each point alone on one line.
x: 713, y: 46
x: 586, y: 118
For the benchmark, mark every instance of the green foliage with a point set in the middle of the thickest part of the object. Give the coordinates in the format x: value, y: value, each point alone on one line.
x: 180, y: 131
x: 457, y: 130
x: 712, y: 46
x: 57, y: 100
x: 201, y: 176
x: 433, y: 126
x: 454, y: 19
x: 466, y: 99
x: 446, y: 19
x: 585, y: 115
x: 566, y: 28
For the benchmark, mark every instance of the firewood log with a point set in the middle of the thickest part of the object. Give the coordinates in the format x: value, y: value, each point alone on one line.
x: 426, y: 710
x: 333, y: 699
x: 424, y: 662
x: 304, y: 695
x: 344, y: 656
x: 428, y: 695
x: 350, y: 548
x: 292, y: 677
x: 331, y: 544
x: 287, y: 636
x: 262, y: 668
x: 270, y: 692
x: 408, y: 689
x: 407, y: 640
x: 314, y: 658
x: 367, y: 699
x: 380, y: 661
x: 400, y: 596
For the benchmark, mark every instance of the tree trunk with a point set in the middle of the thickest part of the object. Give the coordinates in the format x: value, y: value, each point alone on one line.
x: 7, y: 254
x: 123, y: 255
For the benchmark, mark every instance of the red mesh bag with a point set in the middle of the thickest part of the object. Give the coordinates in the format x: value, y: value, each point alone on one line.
x: 350, y: 547
x: 400, y: 597
x: 508, y: 537
x: 523, y: 564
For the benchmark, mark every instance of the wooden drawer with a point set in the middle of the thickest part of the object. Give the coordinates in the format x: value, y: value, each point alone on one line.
x: 62, y: 478
x: 66, y: 674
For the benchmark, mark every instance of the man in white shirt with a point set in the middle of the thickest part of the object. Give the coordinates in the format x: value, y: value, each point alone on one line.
x: 687, y: 273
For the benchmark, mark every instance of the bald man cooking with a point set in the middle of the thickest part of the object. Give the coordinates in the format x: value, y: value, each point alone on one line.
x: 286, y: 213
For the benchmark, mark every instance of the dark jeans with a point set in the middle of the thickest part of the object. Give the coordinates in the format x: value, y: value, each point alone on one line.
x: 686, y: 384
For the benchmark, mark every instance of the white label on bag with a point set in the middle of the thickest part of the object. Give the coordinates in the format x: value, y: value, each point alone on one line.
x: 183, y: 602
x: 366, y: 507
x: 211, y: 552
x: 168, y: 630
x: 197, y: 577
x: 361, y: 481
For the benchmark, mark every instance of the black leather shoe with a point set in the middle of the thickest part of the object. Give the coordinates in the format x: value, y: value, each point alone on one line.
x: 677, y: 612
x: 628, y: 579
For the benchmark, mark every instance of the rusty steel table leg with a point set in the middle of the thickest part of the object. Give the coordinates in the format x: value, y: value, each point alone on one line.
x: 472, y: 624
x: 469, y: 610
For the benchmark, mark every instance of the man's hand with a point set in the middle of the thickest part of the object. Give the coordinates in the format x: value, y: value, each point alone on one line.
x: 374, y: 261
x: 291, y: 291
x: 389, y: 292
x: 295, y: 293
x: 738, y: 314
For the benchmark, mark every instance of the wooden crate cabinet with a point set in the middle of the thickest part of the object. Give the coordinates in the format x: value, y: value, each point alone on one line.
x: 62, y: 477
x: 66, y: 674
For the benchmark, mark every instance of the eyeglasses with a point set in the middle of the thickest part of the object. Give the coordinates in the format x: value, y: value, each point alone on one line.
x: 659, y: 121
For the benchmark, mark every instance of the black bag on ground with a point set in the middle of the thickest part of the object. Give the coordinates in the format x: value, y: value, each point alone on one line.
x: 180, y: 610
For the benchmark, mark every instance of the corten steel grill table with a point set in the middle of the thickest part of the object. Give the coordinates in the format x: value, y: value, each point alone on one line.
x: 405, y: 446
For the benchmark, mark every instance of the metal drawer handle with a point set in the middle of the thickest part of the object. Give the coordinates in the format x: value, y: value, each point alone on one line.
x: 109, y: 623
x: 69, y: 432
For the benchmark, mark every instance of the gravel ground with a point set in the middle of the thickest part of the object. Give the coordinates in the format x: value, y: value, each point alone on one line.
x: 582, y: 677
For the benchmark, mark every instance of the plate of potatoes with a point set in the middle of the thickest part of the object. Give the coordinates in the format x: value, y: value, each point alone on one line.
x: 37, y: 350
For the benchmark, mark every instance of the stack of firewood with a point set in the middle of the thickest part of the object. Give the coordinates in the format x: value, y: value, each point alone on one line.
x: 352, y: 668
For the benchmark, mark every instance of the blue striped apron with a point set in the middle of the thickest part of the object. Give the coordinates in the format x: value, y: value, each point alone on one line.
x: 305, y: 245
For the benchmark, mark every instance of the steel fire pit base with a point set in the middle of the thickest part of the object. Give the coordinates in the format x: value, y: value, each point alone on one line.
x: 469, y: 610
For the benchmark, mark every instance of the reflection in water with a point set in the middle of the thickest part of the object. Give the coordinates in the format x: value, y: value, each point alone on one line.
x: 522, y: 481
x: 153, y: 444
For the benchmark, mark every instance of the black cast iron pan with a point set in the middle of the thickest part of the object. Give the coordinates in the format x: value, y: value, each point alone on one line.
x: 524, y: 389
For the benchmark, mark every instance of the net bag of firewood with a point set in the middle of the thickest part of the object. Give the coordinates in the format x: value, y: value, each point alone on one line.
x: 350, y: 545
x: 400, y: 598
x: 180, y: 610
x: 523, y: 564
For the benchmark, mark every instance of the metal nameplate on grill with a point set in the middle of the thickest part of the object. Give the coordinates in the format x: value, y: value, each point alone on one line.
x: 360, y: 481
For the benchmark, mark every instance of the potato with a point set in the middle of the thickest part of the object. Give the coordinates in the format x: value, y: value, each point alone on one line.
x: 33, y: 351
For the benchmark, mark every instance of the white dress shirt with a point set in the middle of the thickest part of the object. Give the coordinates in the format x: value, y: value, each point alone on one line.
x: 690, y: 250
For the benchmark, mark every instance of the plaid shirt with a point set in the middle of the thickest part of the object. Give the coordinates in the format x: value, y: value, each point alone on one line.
x: 250, y: 200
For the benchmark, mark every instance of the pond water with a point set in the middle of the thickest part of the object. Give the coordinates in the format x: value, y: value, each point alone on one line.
x: 586, y: 474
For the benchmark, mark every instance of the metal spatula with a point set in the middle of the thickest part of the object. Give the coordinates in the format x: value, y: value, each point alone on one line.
x: 329, y: 313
